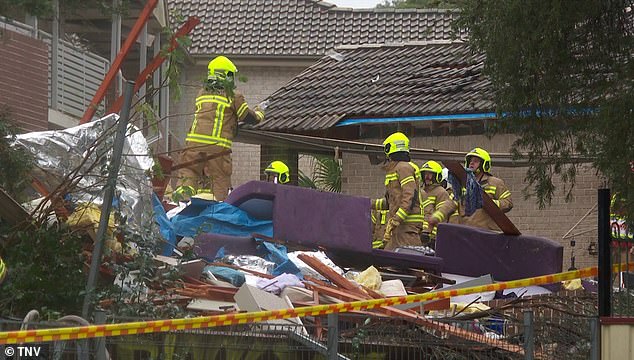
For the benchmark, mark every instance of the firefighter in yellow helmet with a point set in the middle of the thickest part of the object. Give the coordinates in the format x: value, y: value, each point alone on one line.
x: 479, y: 162
x: 438, y: 204
x: 219, y: 110
x: 405, y: 216
x: 277, y: 172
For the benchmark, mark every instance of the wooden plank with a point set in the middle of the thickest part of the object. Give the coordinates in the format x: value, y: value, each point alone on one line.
x: 329, y: 273
x: 11, y: 211
x: 488, y: 205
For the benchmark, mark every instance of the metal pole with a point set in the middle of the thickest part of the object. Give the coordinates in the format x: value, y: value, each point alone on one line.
x: 333, y: 336
x: 529, y: 335
x: 108, y: 196
x: 142, y: 65
x: 55, y: 56
x: 594, y: 339
x: 115, y: 43
x: 605, y: 266
x: 100, y: 319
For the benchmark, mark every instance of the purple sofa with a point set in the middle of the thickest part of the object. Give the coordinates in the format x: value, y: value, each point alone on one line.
x: 474, y: 252
x: 337, y: 223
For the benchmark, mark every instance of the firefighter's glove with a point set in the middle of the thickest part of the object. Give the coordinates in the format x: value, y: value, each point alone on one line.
x: 392, y: 224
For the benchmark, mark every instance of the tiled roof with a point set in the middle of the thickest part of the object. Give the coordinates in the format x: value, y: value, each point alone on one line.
x: 381, y: 81
x: 303, y: 27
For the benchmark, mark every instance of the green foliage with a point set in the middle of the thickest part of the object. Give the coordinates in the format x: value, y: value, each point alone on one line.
x: 563, y: 76
x: 15, y: 163
x: 326, y: 174
x: 422, y: 4
x: 45, y: 271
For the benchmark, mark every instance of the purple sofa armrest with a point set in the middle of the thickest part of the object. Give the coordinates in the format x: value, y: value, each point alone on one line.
x: 473, y: 251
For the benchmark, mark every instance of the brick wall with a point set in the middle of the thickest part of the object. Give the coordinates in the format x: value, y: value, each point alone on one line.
x: 262, y: 81
x: 24, y: 80
x: 363, y: 179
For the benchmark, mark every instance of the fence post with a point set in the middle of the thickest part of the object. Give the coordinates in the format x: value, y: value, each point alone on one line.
x: 594, y: 339
x: 529, y: 335
x: 333, y: 336
x: 605, y: 266
x: 100, y: 319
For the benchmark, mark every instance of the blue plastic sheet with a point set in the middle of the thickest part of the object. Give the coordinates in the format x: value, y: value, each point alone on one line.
x: 204, y: 216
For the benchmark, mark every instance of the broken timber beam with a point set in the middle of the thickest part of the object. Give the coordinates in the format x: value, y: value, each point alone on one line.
x: 502, y: 221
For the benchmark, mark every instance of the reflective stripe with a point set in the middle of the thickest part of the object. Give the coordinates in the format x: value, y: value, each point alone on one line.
x: 497, y: 202
x: 401, y: 214
x: 383, y: 217
x: 218, y: 120
x: 212, y: 98
x: 373, y: 218
x: 378, y: 204
x: 414, y: 219
x: 427, y: 202
x: 390, y: 177
x: 242, y: 109
x: 440, y: 204
x: 407, y: 180
x: 211, y: 140
x: 439, y: 216
x: 260, y: 115
x: 505, y: 194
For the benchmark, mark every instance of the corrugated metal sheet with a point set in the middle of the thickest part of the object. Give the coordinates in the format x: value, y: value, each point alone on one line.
x: 303, y: 27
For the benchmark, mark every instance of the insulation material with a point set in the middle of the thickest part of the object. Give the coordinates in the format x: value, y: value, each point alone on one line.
x: 57, y: 153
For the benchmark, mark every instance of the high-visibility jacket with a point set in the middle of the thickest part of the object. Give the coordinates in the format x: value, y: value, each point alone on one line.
x: 496, y: 189
x: 437, y: 203
x: 217, y: 116
x: 402, y: 193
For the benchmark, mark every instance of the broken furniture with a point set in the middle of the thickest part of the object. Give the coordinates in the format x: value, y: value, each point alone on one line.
x: 474, y: 252
x: 315, y: 219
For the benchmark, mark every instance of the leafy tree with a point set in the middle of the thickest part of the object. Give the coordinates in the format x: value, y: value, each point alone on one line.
x: 563, y: 77
x: 15, y: 164
x: 422, y: 4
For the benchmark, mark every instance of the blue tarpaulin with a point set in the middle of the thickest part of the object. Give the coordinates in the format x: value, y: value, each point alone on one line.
x: 204, y: 216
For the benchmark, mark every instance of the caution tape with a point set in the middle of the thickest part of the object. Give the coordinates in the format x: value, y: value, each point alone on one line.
x: 147, y: 327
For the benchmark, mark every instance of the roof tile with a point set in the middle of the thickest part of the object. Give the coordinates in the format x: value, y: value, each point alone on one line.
x: 256, y: 27
x: 381, y: 81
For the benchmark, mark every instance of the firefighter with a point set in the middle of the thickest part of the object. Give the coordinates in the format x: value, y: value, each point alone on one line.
x: 479, y: 162
x: 438, y: 205
x: 219, y: 110
x: 454, y: 217
x: 277, y: 172
x: 405, y: 216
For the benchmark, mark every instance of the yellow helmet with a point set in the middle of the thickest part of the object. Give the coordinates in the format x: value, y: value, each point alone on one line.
x: 396, y: 142
x: 433, y: 167
x: 482, y: 154
x: 221, y: 67
x: 280, y: 169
